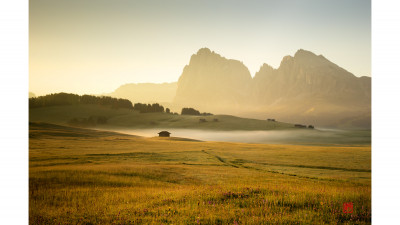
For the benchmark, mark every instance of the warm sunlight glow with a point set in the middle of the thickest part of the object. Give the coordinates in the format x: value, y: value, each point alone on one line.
x: 95, y: 46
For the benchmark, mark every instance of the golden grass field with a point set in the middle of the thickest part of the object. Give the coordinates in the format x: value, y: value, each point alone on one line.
x: 81, y: 176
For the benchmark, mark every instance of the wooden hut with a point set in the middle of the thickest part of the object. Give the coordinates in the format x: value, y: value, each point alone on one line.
x: 164, y: 133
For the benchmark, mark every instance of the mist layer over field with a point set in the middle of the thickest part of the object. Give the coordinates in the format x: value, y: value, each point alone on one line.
x: 301, y: 136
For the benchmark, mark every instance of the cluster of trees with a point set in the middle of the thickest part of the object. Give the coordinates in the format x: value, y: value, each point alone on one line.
x: 303, y: 126
x: 191, y: 111
x: 149, y: 108
x: 73, y: 99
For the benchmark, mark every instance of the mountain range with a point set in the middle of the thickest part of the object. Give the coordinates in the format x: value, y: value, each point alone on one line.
x: 306, y: 88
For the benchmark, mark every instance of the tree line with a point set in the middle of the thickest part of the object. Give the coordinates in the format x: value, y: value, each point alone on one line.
x: 149, y: 108
x: 194, y: 112
x: 74, y: 99
x: 59, y: 99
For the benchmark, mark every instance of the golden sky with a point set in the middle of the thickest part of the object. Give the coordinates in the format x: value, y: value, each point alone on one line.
x: 94, y: 46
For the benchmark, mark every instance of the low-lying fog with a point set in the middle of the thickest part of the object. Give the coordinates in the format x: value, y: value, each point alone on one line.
x: 300, y: 136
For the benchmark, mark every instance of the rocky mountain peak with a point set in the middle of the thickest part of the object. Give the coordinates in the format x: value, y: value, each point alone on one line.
x: 305, y: 87
x: 204, y: 51
x: 211, y: 79
x: 308, y: 59
x: 265, y: 70
x: 301, y: 53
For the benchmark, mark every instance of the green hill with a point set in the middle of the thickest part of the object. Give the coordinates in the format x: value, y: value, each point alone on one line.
x: 133, y: 119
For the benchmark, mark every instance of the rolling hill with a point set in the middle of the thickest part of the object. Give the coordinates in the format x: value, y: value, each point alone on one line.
x: 132, y: 119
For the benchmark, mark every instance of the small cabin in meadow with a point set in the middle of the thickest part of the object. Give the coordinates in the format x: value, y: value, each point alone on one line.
x: 164, y: 133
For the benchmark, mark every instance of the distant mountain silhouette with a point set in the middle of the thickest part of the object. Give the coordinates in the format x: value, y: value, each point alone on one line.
x: 146, y: 92
x: 311, y: 76
x: 211, y: 81
x: 306, y: 88
x: 310, y: 89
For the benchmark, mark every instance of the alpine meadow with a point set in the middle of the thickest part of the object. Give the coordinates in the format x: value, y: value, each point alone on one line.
x: 199, y: 112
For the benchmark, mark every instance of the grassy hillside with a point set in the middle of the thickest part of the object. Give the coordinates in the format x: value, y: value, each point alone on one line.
x: 133, y: 119
x: 81, y: 176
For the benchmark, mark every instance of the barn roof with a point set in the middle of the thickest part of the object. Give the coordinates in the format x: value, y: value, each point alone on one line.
x: 164, y: 132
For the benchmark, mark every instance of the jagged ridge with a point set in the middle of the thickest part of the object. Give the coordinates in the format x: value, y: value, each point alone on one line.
x: 305, y: 87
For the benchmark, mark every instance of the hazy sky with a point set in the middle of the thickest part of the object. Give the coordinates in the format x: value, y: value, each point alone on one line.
x: 94, y: 46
